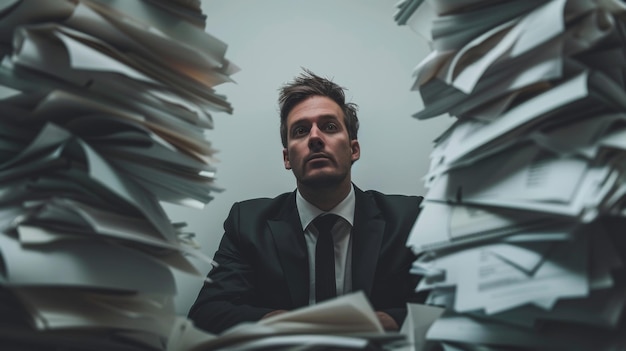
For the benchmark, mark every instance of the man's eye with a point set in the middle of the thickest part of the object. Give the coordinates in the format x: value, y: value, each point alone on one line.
x: 299, y: 131
x: 331, y: 126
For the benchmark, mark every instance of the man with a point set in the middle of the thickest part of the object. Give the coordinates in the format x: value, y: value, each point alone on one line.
x: 267, y: 256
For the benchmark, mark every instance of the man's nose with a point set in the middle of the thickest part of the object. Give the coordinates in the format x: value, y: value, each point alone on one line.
x: 316, y: 140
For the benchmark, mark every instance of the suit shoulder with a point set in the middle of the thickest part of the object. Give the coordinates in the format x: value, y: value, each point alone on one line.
x: 396, y: 207
x: 263, y: 204
x: 394, y: 198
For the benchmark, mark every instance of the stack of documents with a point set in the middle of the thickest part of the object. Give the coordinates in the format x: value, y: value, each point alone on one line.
x: 104, y: 113
x: 521, y: 234
x: 347, y: 322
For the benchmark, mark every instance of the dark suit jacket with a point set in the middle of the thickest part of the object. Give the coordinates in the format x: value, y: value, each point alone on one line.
x: 263, y: 264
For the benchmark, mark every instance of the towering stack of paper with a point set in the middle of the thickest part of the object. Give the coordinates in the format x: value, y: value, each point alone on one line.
x: 103, y: 109
x: 521, y: 236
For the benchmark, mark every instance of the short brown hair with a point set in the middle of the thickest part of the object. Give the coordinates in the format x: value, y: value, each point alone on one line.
x: 306, y: 85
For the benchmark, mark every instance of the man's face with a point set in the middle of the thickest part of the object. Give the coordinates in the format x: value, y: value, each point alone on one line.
x: 319, y: 150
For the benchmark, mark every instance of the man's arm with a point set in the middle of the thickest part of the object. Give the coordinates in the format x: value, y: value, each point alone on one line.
x: 395, y: 285
x: 392, y: 309
x: 228, y: 299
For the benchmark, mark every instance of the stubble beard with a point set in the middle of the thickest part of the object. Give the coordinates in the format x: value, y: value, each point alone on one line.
x: 323, y: 181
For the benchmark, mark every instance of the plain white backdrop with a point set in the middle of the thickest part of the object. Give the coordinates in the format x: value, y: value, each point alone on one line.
x: 357, y: 44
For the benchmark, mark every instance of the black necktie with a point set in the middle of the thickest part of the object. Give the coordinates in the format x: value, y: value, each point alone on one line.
x: 325, y: 258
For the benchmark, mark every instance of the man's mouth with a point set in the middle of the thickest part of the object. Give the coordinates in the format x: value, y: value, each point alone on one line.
x: 317, y: 157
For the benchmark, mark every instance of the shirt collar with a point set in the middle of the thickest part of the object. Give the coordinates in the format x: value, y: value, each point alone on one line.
x: 308, y: 212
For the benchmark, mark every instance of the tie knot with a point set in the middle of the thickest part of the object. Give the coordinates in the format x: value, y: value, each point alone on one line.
x: 325, y: 222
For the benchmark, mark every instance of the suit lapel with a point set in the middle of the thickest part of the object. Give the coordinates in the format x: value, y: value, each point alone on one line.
x: 367, y: 238
x: 291, y: 247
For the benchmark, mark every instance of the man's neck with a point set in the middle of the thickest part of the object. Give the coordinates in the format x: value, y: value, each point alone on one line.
x: 325, y: 198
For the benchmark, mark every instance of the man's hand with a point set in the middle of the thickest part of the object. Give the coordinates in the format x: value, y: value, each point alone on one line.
x: 389, y: 324
x: 273, y: 313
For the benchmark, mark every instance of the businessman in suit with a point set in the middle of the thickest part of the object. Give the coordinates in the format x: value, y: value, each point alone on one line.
x: 270, y: 259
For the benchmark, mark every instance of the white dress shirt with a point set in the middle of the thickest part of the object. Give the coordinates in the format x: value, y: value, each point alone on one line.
x: 342, y: 238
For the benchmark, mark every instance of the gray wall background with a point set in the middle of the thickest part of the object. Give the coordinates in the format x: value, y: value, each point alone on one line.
x: 357, y: 44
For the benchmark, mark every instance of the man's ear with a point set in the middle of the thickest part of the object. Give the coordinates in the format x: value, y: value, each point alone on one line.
x: 356, y: 150
x: 286, y: 159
